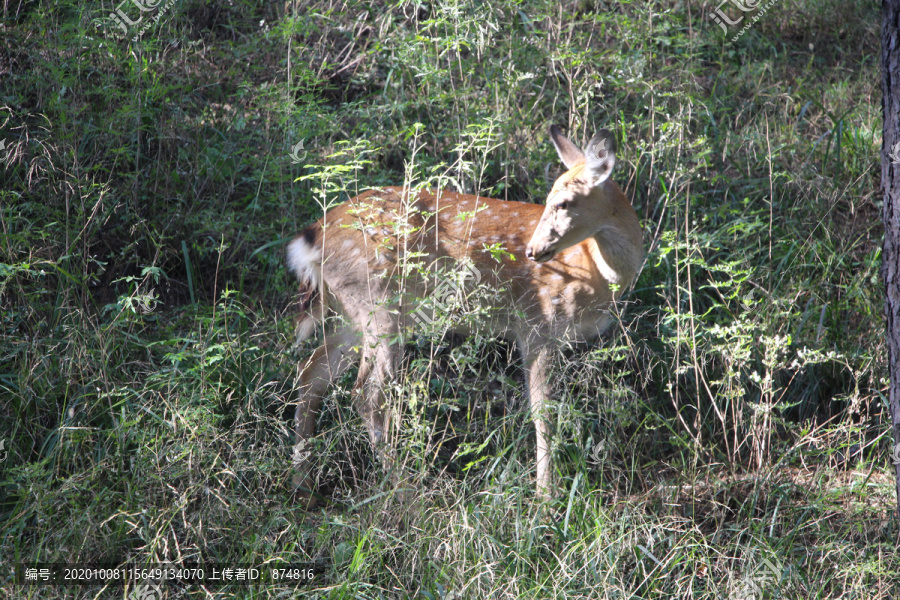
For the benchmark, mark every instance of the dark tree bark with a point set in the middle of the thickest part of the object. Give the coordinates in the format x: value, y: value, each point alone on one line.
x: 890, y: 185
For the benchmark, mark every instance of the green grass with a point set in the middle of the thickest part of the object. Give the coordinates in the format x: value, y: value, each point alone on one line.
x: 731, y: 430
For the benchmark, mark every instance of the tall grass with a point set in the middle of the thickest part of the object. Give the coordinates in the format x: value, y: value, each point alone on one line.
x: 726, y: 439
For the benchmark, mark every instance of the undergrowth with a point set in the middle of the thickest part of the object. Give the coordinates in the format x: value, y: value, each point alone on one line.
x: 726, y: 439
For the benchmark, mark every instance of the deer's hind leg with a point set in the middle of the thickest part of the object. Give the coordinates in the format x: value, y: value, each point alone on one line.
x: 327, y: 363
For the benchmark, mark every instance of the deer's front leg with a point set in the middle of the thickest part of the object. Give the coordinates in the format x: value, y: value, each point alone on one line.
x: 537, y: 365
x: 376, y: 371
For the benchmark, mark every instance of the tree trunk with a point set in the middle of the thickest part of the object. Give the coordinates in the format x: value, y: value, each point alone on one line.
x: 890, y: 185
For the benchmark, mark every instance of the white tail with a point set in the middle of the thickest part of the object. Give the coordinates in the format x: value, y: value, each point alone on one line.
x: 355, y: 261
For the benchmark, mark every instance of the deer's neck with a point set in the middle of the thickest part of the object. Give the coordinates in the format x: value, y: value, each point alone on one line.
x: 617, y: 250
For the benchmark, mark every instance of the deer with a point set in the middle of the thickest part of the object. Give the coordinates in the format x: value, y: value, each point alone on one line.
x: 563, y: 268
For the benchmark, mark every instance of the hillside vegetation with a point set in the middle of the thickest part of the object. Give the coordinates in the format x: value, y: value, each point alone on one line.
x: 725, y: 441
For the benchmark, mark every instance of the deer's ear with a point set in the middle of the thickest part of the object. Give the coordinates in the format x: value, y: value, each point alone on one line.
x: 600, y: 157
x: 568, y: 152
